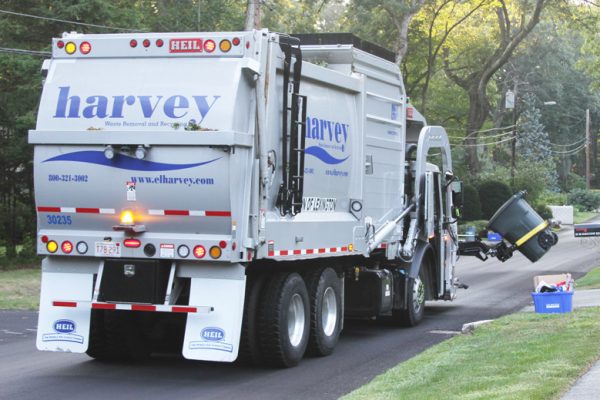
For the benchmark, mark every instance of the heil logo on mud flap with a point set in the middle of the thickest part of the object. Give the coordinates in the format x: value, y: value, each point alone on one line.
x: 213, y: 334
x: 64, y: 326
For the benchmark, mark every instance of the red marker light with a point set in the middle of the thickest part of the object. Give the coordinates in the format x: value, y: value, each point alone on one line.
x: 133, y: 43
x: 210, y: 46
x: 222, y: 244
x: 134, y: 243
x: 236, y: 41
x: 146, y: 43
x: 60, y: 44
x: 44, y: 239
x: 199, y: 251
x: 67, y: 247
x: 85, y: 47
x: 159, y: 43
x: 247, y: 45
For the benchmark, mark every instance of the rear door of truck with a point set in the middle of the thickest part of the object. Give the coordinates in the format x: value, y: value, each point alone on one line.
x: 159, y: 125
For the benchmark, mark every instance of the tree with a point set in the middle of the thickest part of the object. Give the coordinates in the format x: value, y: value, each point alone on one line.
x: 369, y: 17
x: 533, y: 143
x: 474, y: 75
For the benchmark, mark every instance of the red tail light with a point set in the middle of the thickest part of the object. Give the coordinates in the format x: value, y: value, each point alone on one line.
x: 66, y: 247
x: 146, y: 43
x: 199, y: 251
x: 159, y: 43
x: 133, y: 43
x: 85, y: 47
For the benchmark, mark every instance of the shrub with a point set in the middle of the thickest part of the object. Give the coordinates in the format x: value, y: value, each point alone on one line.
x: 585, y: 200
x: 554, y: 198
x: 543, y: 210
x: 573, y: 182
x: 472, y: 204
x: 492, y: 195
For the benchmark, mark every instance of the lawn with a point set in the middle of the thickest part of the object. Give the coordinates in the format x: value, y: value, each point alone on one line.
x: 520, y: 356
x: 590, y: 281
x: 20, y: 289
x: 583, y: 216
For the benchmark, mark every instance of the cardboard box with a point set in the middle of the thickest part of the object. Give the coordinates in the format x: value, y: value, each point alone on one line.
x: 551, y: 279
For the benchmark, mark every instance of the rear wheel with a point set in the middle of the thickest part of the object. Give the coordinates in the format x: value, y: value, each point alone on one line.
x: 284, y: 320
x: 414, y: 310
x: 325, y: 311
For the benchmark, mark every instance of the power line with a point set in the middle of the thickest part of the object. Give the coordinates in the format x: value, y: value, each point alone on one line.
x: 570, y: 152
x: 25, y: 52
x: 568, y: 145
x: 67, y: 21
x: 482, y: 137
x: 483, y: 144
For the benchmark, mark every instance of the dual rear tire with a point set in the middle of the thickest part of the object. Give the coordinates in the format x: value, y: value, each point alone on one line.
x: 287, y: 314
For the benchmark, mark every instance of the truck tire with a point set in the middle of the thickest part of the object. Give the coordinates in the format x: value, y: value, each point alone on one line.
x: 325, y: 311
x: 284, y: 320
x: 413, y: 313
x: 249, y: 352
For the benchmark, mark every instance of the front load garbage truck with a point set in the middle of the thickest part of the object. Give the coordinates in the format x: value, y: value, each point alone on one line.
x: 235, y: 195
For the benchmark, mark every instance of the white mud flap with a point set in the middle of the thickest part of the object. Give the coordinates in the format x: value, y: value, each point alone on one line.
x: 64, y: 328
x: 215, y: 336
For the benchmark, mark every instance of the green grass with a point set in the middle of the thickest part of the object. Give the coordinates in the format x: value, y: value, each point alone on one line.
x: 590, y: 281
x: 582, y: 216
x: 520, y: 356
x: 20, y: 289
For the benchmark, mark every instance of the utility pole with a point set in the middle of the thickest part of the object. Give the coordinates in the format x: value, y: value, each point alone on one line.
x: 252, y: 15
x: 513, y: 147
x: 588, y: 151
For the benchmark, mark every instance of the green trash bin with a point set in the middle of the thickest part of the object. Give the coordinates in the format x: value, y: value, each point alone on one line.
x: 518, y: 223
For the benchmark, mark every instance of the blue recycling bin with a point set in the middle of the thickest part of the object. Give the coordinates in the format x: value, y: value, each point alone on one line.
x: 553, y: 302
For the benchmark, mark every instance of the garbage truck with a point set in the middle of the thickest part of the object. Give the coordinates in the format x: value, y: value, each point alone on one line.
x: 238, y: 195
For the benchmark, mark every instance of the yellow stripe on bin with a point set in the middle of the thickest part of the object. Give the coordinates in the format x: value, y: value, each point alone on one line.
x: 532, y: 233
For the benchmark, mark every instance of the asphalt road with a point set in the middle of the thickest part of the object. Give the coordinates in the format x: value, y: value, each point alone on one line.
x: 366, y: 349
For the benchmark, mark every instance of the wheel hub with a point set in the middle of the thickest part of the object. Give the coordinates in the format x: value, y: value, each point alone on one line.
x: 329, y: 311
x: 296, y: 319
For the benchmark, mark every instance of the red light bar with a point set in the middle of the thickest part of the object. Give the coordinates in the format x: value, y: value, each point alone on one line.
x: 135, y: 243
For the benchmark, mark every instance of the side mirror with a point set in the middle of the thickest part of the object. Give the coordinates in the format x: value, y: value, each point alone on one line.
x: 458, y: 198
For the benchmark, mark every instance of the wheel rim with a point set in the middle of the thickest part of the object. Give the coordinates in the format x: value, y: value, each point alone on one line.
x: 296, y: 319
x: 418, y: 294
x: 329, y: 311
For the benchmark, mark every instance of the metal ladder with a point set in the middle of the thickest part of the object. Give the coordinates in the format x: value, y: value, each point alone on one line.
x: 289, y: 198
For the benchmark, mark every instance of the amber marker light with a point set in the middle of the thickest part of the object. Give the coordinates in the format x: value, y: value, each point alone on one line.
x: 215, y: 252
x: 70, y: 48
x: 127, y: 218
x: 225, y: 45
x: 52, y: 246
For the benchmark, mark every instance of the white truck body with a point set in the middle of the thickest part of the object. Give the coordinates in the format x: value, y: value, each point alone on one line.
x: 190, y: 142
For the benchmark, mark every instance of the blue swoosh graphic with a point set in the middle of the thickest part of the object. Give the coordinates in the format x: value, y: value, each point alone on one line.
x: 122, y: 161
x: 323, y: 155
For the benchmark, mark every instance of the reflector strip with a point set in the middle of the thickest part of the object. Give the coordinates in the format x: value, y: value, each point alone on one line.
x: 91, y: 210
x: 64, y: 304
x: 191, y: 213
x: 301, y: 252
x: 135, y: 307
x: 77, y: 210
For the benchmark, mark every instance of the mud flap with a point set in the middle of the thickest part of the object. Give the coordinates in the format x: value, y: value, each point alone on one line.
x: 65, y: 328
x: 216, y: 336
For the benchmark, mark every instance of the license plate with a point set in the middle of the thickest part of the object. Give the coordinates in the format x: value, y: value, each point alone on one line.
x: 104, y: 249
